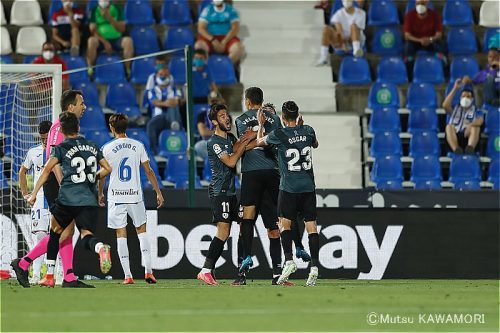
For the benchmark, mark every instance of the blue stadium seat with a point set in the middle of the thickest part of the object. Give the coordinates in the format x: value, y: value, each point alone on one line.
x: 141, y: 69
x: 421, y: 95
x: 129, y: 111
x: 93, y: 120
x: 138, y: 12
x: 487, y: 35
x: 178, y: 37
x: 90, y: 93
x: 177, y: 68
x: 410, y: 5
x: 197, y: 109
x: 91, y: 4
x: 461, y: 66
x: 74, y: 63
x: 456, y: 12
x: 387, y: 41
x: 184, y: 184
x: 172, y: 142
x: 426, y: 172
x: 423, y: 143
x: 55, y: 5
x: 222, y: 69
x: 428, y: 69
x: 3, y: 178
x: 493, y: 146
x: 207, y: 171
x: 175, y: 13
x: 422, y: 119
x: 98, y: 137
x: 177, y: 169
x: 141, y: 135
x: 354, y: 71
x: 113, y: 72
x: 145, y: 40
x: 382, y: 12
x: 391, y: 184
x: 144, y: 178
x: 465, y: 168
x: 461, y: 41
x: 6, y: 59
x: 392, y: 70
x: 467, y: 185
x: 492, y: 119
x: 494, y: 173
x: 28, y: 59
x: 384, y: 120
x: 385, y: 143
x: 456, y: 98
x: 383, y: 95
x: 121, y: 94
x: 387, y: 168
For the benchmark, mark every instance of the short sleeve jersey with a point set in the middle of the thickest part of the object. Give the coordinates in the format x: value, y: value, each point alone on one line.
x: 60, y: 20
x: 461, y: 117
x: 79, y: 159
x: 34, y: 161
x: 104, y: 28
x: 422, y: 27
x: 222, y: 176
x: 125, y: 157
x: 259, y: 158
x: 201, y: 81
x: 219, y: 22
x: 295, y: 145
x: 346, y: 20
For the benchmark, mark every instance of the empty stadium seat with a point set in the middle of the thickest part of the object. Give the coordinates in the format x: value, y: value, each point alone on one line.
x: 145, y: 40
x: 3, y: 178
x: 421, y: 95
x: 91, y: 4
x: 141, y: 69
x: 428, y: 69
x: 172, y: 142
x: 354, y: 71
x: 426, y: 172
x: 177, y: 168
x: 26, y: 13
x: 387, y: 168
x: 120, y: 94
x: 457, y: 12
x: 467, y: 185
x: 461, y: 41
x: 222, y: 69
x: 6, y: 46
x: 461, y: 66
x: 392, y: 70
x: 175, y: 13
x: 6, y: 59
x: 422, y: 119
x: 30, y: 39
x: 140, y: 135
x: 74, y: 63
x: 55, y: 5
x: 177, y: 68
x: 100, y: 138
x: 387, y: 41
x: 488, y: 34
x: 423, y: 143
x: 492, y: 119
x: 384, y: 120
x: 93, y: 120
x: 28, y: 59
x: 129, y: 111
x: 385, y: 143
x: 382, y: 12
x: 90, y: 93
x: 3, y: 20
x: 493, y: 146
x: 138, y: 12
x: 207, y: 170
x: 113, y: 72
x: 488, y: 14
x: 144, y: 178
x: 410, y: 5
x: 464, y: 168
x: 383, y: 95
x: 178, y: 37
x: 184, y: 183
x: 494, y: 173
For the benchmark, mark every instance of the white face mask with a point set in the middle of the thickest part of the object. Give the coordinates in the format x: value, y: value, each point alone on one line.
x: 347, y: 3
x: 465, y: 102
x: 48, y: 55
x: 421, y: 9
x: 162, y: 81
x: 218, y: 2
x: 68, y: 4
x: 104, y: 3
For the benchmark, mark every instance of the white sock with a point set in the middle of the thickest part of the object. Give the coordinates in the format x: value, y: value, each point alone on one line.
x: 145, y: 253
x: 50, y: 266
x: 37, y: 263
x: 356, y: 45
x: 98, y: 247
x: 314, y: 269
x: 205, y: 270
x: 123, y: 254
x: 323, y: 54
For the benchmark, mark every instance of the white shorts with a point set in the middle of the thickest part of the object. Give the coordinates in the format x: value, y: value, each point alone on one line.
x: 40, y: 220
x: 117, y: 214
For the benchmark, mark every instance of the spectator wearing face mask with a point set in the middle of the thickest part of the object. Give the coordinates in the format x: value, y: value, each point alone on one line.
x: 160, y: 62
x: 204, y: 88
x: 489, y: 77
x: 107, y: 26
x: 66, y: 27
x: 344, y: 32
x: 164, y: 101
x: 49, y: 57
x: 464, y: 120
x: 423, y: 31
x: 218, y: 26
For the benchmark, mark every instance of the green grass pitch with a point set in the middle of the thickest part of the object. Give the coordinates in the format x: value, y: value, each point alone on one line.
x: 187, y: 305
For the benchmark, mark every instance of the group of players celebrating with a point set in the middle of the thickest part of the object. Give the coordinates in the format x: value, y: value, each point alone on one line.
x: 277, y: 183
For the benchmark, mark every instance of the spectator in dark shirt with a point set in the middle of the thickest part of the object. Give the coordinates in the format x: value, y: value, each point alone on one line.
x: 204, y: 88
x: 49, y: 57
x: 66, y: 27
x: 206, y: 130
x: 489, y: 77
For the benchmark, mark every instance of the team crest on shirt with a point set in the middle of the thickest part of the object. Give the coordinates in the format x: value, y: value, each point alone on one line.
x: 225, y: 215
x: 217, y: 148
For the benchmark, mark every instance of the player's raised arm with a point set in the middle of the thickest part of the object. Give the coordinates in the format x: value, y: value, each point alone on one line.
x: 238, y: 149
x: 261, y: 138
x: 152, y: 179
x: 53, y: 161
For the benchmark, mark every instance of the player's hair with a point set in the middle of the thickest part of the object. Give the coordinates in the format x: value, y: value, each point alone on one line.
x: 214, y: 110
x: 255, y: 95
x: 119, y: 122
x: 290, y: 110
x: 69, y: 123
x: 69, y: 97
x: 44, y: 127
x: 269, y: 107
x: 201, y: 52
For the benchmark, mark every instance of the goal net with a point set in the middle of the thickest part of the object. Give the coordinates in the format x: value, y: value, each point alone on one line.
x: 29, y: 94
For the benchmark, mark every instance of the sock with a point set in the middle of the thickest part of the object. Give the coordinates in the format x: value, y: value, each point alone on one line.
x: 246, y: 232
x: 50, y: 267
x: 286, y: 242
x: 145, y: 252
x: 240, y: 250
x: 275, y: 253
x: 124, y: 257
x: 314, y: 248
x: 296, y: 234
x: 66, y: 254
x: 214, y: 252
x: 38, y: 250
x: 53, y: 246
x: 37, y: 263
x: 323, y: 53
x: 92, y: 243
x: 356, y: 45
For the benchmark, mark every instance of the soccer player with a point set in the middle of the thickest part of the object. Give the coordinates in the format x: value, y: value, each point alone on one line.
x: 297, y: 189
x: 77, y: 198
x: 125, y: 197
x: 224, y: 150
x: 40, y: 215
